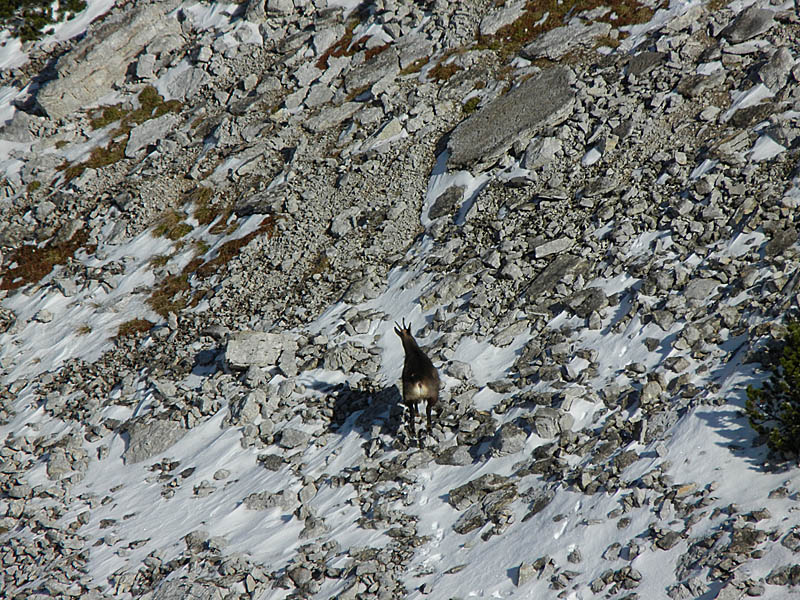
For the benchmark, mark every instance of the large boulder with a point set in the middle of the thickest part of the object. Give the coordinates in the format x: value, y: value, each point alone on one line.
x: 87, y: 72
x: 544, y: 100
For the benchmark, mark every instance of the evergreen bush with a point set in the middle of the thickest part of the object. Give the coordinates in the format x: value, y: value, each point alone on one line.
x: 774, y: 409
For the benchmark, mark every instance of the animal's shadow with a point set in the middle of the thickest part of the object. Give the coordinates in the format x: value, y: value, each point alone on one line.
x: 369, y: 412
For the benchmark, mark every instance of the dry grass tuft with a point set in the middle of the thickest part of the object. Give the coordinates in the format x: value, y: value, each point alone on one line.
x: 34, y: 263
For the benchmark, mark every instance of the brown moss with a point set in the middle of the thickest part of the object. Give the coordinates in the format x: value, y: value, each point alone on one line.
x: 168, y: 296
x: 372, y: 52
x: 34, y: 263
x: 340, y: 47
x: 107, y: 115
x: 134, y: 327
x: 416, y: 66
x: 443, y: 72
x: 204, y: 212
x: 113, y: 152
x: 471, y: 105
x: 171, y: 225
x: 174, y: 293
x: 509, y: 39
x: 231, y: 248
x: 715, y: 5
x: 159, y: 260
x: 319, y: 265
x: 608, y: 41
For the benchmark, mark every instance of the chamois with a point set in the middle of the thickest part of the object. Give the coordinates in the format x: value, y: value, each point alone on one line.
x: 420, y: 377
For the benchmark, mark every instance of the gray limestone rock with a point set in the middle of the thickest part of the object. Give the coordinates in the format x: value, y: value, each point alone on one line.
x: 509, y: 439
x: 643, y: 62
x: 293, y: 438
x: 148, y: 438
x: 564, y: 264
x: 541, y: 151
x: 500, y: 17
x: 187, y: 83
x: 544, y: 100
x: 387, y: 63
x: 344, y: 222
x: 279, y: 8
x: 331, y: 116
x: 88, y: 71
x: 585, y: 302
x: 554, y: 247
x: 782, y: 239
x: 149, y: 133
x: 700, y: 289
x: 505, y: 336
x: 475, y: 490
x: 557, y: 42
x: 447, y: 203
x: 750, y: 23
x: 179, y: 589
x: 267, y: 500
x: 454, y: 455
x: 459, y: 370
x: 18, y: 128
x: 248, y: 348
x: 777, y: 70
x: 58, y: 464
x: 248, y: 409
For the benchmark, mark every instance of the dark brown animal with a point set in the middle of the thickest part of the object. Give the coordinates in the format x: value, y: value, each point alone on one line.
x: 420, y: 377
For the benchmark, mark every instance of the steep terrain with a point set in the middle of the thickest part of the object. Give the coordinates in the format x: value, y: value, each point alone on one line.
x: 212, y: 215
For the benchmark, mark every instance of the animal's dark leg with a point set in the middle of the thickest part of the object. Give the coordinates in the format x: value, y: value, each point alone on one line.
x: 429, y: 410
x: 412, y: 417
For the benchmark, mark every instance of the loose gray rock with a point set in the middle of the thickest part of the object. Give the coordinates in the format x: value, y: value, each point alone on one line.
x: 148, y: 438
x: 500, y: 17
x: 565, y: 264
x: 700, y: 289
x: 509, y: 439
x: 248, y: 409
x: 187, y: 83
x: 751, y: 22
x: 447, y: 202
x: 643, y: 62
x: 149, y: 132
x: 777, y: 70
x: 454, y: 455
x: 267, y: 500
x: 293, y: 438
x: 557, y: 42
x: 554, y: 247
x: 254, y: 348
x: 541, y: 101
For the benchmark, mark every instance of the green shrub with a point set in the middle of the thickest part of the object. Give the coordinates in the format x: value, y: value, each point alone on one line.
x: 774, y: 409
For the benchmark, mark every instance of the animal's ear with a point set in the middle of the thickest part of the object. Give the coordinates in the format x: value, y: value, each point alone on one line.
x: 397, y: 329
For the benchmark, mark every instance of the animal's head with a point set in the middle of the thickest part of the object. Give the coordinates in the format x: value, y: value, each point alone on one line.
x: 403, y: 330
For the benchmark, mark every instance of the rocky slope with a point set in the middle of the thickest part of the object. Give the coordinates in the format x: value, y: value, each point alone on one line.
x: 211, y: 215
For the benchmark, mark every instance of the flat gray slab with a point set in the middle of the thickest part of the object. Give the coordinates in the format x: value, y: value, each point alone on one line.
x: 146, y: 439
x: 87, y: 73
x: 544, y: 100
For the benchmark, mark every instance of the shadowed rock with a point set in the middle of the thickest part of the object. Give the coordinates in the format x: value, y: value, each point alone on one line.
x: 542, y: 101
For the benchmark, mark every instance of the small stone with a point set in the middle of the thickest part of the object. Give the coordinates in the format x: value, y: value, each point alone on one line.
x: 293, y: 438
